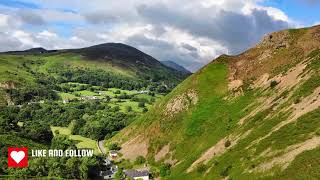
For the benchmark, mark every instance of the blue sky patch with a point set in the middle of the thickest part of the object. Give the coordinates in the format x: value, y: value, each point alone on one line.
x: 18, y: 4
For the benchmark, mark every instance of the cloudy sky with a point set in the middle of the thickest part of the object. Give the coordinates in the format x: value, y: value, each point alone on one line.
x: 189, y: 32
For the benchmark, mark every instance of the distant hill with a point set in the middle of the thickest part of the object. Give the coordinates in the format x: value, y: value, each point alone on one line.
x: 32, y: 51
x: 176, y: 67
x: 117, y: 56
x: 124, y: 65
x: 250, y: 116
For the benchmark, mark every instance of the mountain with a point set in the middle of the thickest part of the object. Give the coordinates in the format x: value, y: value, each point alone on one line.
x: 109, y: 65
x: 176, y: 66
x: 250, y: 116
x: 31, y: 51
x: 117, y: 55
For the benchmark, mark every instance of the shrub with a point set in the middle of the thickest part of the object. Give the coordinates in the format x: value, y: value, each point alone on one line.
x: 165, y: 170
x: 273, y: 84
x: 227, y: 143
x: 140, y: 160
x: 226, y: 171
x: 114, y: 146
x: 202, y: 168
x: 141, y: 104
x: 128, y: 108
x: 297, y: 101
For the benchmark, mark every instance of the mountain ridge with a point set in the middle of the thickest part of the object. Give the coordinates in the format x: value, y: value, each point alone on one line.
x: 176, y: 66
x: 105, y: 51
x: 117, y: 55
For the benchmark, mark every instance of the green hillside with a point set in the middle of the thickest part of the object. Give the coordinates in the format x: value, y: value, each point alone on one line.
x: 251, y: 116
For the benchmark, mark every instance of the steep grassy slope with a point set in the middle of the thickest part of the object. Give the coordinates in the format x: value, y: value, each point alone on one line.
x: 251, y: 116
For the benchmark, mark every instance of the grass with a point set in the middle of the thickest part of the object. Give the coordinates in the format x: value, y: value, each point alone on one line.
x: 132, y: 104
x: 11, y: 69
x: 78, y: 61
x: 67, y: 96
x: 87, y: 93
x: 292, y: 133
x: 208, y: 123
x: 308, y: 162
x: 308, y: 87
x: 83, y: 142
x: 20, y: 124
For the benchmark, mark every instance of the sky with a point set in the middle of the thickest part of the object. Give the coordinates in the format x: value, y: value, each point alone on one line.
x: 189, y: 32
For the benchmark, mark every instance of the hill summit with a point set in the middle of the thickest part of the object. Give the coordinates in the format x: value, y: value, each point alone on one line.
x: 251, y: 116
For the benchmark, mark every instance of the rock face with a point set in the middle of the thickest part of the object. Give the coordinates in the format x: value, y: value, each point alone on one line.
x: 277, y: 40
x: 4, y: 98
x: 181, y: 103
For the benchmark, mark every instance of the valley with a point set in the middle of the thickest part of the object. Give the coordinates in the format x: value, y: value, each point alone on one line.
x: 69, y: 99
x: 160, y: 89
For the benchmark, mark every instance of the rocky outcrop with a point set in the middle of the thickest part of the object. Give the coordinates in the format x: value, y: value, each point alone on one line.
x: 7, y: 85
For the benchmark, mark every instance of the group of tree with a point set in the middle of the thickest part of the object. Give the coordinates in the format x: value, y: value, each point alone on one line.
x: 56, y: 168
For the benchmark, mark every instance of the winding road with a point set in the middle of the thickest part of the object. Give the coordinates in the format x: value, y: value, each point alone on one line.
x: 101, y: 147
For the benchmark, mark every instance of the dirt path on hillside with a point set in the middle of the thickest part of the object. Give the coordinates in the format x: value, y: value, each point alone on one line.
x: 291, y: 154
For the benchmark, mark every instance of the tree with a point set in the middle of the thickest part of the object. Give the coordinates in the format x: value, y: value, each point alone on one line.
x: 72, y: 167
x: 114, y: 146
x: 83, y: 168
x: 61, y: 142
x: 128, y: 108
x: 162, y: 89
x: 119, y: 175
x: 165, y: 170
x: 37, y: 166
x: 38, y: 132
x: 140, y: 160
x: 141, y: 104
x: 116, y: 108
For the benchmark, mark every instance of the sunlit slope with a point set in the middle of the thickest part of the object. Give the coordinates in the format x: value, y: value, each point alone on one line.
x: 255, y: 115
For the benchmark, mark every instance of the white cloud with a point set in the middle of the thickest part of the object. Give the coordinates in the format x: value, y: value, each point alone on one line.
x: 25, y: 38
x: 4, y: 20
x: 47, y: 34
x: 191, y: 33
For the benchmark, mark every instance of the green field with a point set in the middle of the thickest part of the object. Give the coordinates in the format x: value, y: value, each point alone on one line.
x: 67, y: 96
x: 83, y: 142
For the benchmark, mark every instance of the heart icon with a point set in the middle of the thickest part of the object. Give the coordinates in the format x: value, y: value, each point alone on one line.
x: 17, y: 156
